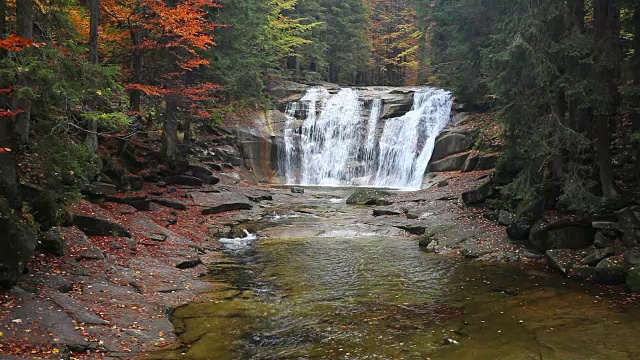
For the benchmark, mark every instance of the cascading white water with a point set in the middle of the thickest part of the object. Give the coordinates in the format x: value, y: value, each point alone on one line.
x: 330, y: 142
x: 407, y: 142
x: 337, y: 146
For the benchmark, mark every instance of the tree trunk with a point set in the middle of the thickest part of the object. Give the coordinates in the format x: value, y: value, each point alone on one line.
x: 137, y: 63
x: 578, y: 112
x: 170, y: 133
x: 22, y: 121
x: 636, y: 83
x: 3, y: 16
x: 604, y: 19
x: 188, y: 136
x: 91, y: 139
x: 94, y: 12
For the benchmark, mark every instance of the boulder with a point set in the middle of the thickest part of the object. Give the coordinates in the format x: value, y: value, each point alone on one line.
x: 563, y: 259
x: 18, y: 242
x: 386, y: 212
x: 97, y: 226
x: 629, y: 220
x: 51, y: 242
x: 487, y: 161
x: 597, y: 255
x: 520, y: 228
x: 603, y: 240
x: 451, y: 163
x: 633, y: 280
x: 45, y: 209
x: 472, y: 162
x: 582, y: 272
x: 138, y: 202
x: 258, y: 196
x: 173, y: 204
x: 475, y: 249
x: 606, y: 225
x: 632, y: 257
x: 297, y: 190
x: 183, y: 180
x: 449, y: 143
x: 478, y: 195
x: 611, y: 270
x: 367, y: 197
x: 230, y: 206
x: 100, y: 189
x: 215, y: 203
x: 203, y: 173
x: 136, y: 183
x: 563, y: 234
x: 506, y: 218
x: 533, y: 210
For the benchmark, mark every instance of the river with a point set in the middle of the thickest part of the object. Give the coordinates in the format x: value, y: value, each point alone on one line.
x: 318, y: 284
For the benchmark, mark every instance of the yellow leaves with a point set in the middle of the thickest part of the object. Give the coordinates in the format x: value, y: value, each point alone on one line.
x: 1, y: 334
x: 55, y: 350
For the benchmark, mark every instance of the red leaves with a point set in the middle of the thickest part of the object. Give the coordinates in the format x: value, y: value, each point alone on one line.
x: 15, y: 42
x: 9, y: 113
x: 148, y: 90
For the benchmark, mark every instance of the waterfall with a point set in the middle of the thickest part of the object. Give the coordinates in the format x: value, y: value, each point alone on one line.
x: 407, y: 142
x: 337, y: 144
x: 330, y: 142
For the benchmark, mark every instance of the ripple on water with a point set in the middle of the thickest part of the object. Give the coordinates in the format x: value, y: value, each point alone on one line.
x: 373, y: 297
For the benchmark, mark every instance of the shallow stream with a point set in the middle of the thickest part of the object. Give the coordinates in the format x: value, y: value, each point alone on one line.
x: 317, y: 286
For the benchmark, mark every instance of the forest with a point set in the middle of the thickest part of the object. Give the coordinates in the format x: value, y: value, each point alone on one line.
x: 134, y: 160
x: 561, y: 77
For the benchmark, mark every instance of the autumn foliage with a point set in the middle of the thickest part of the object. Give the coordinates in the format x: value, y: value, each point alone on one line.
x: 159, y: 44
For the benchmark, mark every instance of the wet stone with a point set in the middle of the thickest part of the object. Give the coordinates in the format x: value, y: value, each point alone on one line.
x: 583, y: 272
x: 506, y: 218
x: 605, y: 225
x: 597, y: 255
x: 632, y: 257
x: 563, y: 259
x: 612, y: 270
x: 633, y: 280
x: 386, y: 212
x: 603, y: 240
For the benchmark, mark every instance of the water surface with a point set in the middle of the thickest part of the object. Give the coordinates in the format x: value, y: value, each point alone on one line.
x: 317, y: 286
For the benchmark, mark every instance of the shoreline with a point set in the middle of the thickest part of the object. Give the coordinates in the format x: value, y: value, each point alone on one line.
x: 111, y: 297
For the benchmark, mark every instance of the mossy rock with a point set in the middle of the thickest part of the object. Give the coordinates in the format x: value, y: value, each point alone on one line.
x: 367, y: 197
x: 19, y: 240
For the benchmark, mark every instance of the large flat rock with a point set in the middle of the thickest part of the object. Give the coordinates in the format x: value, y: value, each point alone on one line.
x: 98, y: 226
x: 214, y: 203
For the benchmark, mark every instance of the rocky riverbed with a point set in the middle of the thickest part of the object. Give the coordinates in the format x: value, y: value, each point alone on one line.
x: 130, y: 260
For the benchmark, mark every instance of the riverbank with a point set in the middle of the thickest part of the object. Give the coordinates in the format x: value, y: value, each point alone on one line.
x: 112, y: 296
x: 327, y: 279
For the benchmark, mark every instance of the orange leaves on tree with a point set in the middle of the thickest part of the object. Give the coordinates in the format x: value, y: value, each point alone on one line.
x: 175, y: 33
x: 15, y: 42
x: 148, y: 90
